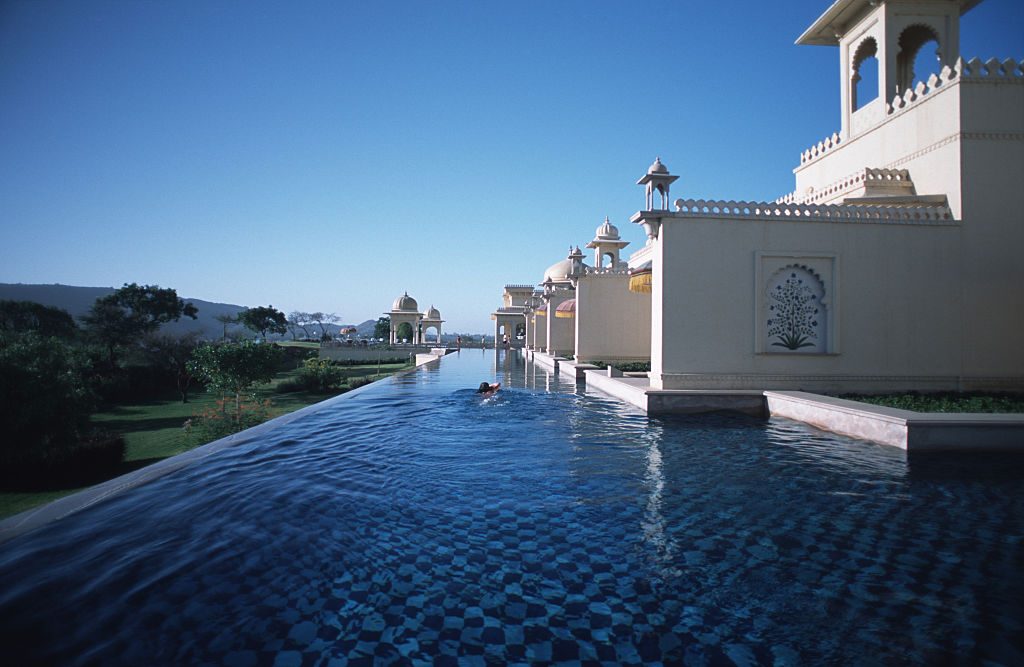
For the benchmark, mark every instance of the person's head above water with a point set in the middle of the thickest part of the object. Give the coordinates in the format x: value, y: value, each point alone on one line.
x: 487, y: 387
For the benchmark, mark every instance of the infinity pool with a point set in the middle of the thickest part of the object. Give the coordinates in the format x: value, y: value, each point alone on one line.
x: 413, y: 522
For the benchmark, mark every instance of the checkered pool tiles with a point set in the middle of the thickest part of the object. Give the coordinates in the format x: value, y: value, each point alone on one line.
x: 415, y: 523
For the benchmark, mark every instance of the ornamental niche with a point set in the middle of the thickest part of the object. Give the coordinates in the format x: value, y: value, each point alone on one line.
x: 796, y: 312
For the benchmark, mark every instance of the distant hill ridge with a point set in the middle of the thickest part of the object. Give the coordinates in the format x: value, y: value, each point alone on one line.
x: 78, y: 300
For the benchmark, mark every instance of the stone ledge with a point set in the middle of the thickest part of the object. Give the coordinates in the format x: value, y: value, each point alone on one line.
x: 908, y: 430
x: 912, y: 431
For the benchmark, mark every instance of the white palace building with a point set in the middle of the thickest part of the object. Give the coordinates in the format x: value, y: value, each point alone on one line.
x: 896, y: 264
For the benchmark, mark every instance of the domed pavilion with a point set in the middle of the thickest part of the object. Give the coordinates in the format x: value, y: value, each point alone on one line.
x: 405, y: 310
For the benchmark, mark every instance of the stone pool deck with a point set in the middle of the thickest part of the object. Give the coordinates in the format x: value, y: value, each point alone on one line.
x: 912, y: 431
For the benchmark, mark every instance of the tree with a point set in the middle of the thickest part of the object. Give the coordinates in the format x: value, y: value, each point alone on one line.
x: 263, y: 319
x: 299, y: 320
x: 122, y: 318
x: 172, y: 354
x: 234, y: 368
x: 404, y: 331
x: 45, y: 401
x: 382, y: 329
x: 24, y: 316
x: 320, y: 318
x: 226, y: 320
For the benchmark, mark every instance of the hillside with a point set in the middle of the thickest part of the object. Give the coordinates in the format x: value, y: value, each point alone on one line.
x: 78, y: 300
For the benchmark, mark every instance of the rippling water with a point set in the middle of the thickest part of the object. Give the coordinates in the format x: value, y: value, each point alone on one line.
x: 415, y: 522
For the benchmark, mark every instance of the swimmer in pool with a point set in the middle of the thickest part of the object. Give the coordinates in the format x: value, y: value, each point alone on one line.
x: 488, y: 389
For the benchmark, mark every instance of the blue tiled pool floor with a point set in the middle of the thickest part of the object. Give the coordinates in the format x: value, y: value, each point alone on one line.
x: 417, y: 524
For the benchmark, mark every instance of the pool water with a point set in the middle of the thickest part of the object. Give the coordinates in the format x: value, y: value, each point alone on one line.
x: 414, y: 522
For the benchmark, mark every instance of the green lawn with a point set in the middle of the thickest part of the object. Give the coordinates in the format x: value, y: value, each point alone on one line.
x: 153, y: 430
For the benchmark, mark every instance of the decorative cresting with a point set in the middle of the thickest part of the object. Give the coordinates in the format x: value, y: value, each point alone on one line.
x: 1008, y: 70
x: 859, y: 179
x: 566, y: 309
x: 699, y: 208
x: 640, y: 278
x: 795, y: 298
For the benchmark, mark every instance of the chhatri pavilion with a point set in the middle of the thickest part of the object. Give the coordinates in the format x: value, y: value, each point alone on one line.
x: 405, y: 310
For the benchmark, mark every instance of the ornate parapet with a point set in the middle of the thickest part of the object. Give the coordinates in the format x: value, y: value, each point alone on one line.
x: 919, y: 215
x: 606, y: 271
x: 889, y: 181
x: 819, y: 149
x: 993, y: 69
x: 973, y: 70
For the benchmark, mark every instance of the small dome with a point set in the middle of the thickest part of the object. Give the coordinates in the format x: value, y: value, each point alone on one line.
x: 657, y: 167
x: 559, y: 271
x: 607, y: 230
x: 432, y: 314
x: 405, y: 302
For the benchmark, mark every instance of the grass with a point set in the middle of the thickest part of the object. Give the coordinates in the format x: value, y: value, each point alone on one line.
x: 152, y: 429
x: 947, y: 402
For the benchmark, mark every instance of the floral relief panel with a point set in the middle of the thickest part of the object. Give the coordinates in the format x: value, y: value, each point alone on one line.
x: 796, y: 311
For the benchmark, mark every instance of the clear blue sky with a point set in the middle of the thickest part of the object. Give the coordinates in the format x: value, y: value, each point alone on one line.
x: 331, y: 155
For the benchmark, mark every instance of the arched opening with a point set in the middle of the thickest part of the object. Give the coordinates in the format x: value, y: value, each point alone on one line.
x: 920, y: 56
x: 608, y: 259
x: 404, y: 332
x: 435, y: 336
x: 864, y: 88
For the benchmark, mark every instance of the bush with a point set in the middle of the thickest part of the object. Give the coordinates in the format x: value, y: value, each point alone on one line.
x: 290, y: 386
x: 225, y: 418
x: 321, y: 375
x: 90, y: 458
x: 946, y: 402
x: 625, y: 367
x: 356, y: 383
x: 294, y: 357
x: 45, y: 402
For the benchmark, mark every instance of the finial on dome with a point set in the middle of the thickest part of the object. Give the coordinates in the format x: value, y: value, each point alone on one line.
x: 657, y: 167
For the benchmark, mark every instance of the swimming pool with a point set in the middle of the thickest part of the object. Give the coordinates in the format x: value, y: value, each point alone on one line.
x: 413, y: 522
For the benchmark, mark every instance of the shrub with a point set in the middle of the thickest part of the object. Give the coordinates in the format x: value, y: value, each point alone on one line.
x: 88, y: 459
x: 625, y: 367
x: 321, y: 375
x: 224, y: 418
x: 290, y: 386
x: 356, y: 383
x: 946, y: 402
x: 45, y: 402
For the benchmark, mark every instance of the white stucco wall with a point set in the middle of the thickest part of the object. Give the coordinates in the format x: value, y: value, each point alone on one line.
x: 924, y: 140
x: 898, y: 300
x: 612, y: 323
x: 561, y: 331
x: 993, y: 275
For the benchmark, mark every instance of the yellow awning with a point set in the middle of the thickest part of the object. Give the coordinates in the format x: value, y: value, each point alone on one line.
x: 640, y: 278
x: 566, y: 309
x: 640, y: 283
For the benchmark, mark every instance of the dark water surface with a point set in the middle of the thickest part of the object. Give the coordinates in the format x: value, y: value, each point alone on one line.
x: 414, y: 522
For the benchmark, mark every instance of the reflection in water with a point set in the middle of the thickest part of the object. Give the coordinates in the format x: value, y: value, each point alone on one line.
x: 663, y: 546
